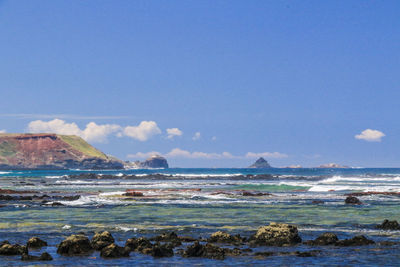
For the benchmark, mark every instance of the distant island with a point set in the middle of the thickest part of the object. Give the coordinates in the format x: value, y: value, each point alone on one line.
x: 333, y: 166
x: 153, y: 162
x: 261, y: 163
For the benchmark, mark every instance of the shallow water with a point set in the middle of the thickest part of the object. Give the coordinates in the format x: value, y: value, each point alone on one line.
x: 198, y: 202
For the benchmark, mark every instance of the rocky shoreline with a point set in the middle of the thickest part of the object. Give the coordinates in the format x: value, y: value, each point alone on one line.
x: 218, y: 246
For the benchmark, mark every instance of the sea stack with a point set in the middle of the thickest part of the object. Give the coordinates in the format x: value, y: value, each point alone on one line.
x: 155, y: 161
x: 261, y: 163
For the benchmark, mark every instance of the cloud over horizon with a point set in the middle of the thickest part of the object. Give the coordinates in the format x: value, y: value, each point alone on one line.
x: 370, y: 135
x: 94, y: 132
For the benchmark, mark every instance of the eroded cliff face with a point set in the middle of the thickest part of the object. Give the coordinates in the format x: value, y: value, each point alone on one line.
x: 51, y: 151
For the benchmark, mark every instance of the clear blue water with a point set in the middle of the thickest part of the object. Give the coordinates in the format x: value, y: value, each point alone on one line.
x: 198, y: 202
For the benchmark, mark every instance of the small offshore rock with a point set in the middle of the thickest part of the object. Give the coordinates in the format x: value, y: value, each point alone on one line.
x: 138, y: 244
x: 133, y: 194
x: 159, y: 251
x: 44, y: 257
x: 389, y: 225
x: 102, y: 240
x: 207, y: 251
x: 36, y: 242
x: 276, y: 234
x: 352, y: 200
x: 8, y: 249
x: 359, y: 240
x: 325, y: 239
x: 114, y: 251
x: 75, y: 245
x: 223, y: 237
x: 172, y: 238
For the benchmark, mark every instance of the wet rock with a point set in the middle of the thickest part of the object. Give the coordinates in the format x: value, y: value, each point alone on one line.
x: 207, y: 251
x: 223, y: 237
x: 75, y: 245
x: 44, y: 257
x: 57, y: 204
x: 159, y: 251
x: 317, y: 202
x: 389, y: 225
x: 114, y: 251
x: 232, y: 252
x: 359, y: 240
x: 138, y: 244
x: 71, y: 198
x: 352, y: 200
x: 36, y: 242
x: 187, y: 239
x: 254, y: 194
x: 312, y: 253
x: 325, y: 239
x: 388, y: 243
x: 276, y: 234
x: 172, y: 238
x: 8, y: 249
x: 102, y: 240
x: 133, y: 194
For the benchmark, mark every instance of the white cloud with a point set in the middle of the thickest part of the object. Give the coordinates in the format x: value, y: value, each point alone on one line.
x: 214, y: 138
x: 142, y: 132
x: 144, y: 155
x: 3, y: 131
x: 172, y: 132
x: 196, y: 136
x: 275, y: 155
x: 92, y: 132
x: 370, y: 135
x: 99, y: 133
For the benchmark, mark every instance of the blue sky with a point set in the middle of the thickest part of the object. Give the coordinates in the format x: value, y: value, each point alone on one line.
x: 294, y: 81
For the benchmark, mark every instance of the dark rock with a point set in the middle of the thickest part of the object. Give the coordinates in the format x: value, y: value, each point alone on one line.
x: 133, y: 194
x: 388, y: 243
x: 44, y: 257
x: 325, y: 239
x: 172, y: 238
x: 159, y: 251
x: 36, y: 242
x: 317, y: 202
x: 389, y: 225
x: 222, y: 237
x: 114, y: 251
x: 254, y: 194
x: 207, y: 251
x: 260, y: 164
x: 359, y: 240
x: 71, y: 198
x: 232, y: 252
x: 138, y: 244
x: 312, y: 253
x: 276, y: 234
x: 75, y: 245
x: 57, y: 204
x: 8, y: 249
x: 102, y: 240
x: 353, y: 201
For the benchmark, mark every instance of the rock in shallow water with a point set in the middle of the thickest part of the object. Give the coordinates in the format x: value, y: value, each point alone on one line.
x: 325, y: 239
x: 114, y: 251
x: 8, y: 249
x: 75, y: 245
x: 44, y: 257
x: 36, y: 242
x: 223, y: 237
x: 102, y: 240
x: 352, y: 200
x: 207, y: 251
x: 276, y: 234
x: 389, y: 225
x: 358, y: 240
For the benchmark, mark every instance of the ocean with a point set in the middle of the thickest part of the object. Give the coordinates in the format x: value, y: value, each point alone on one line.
x: 199, y: 202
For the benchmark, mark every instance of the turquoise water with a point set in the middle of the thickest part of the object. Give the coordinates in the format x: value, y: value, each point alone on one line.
x: 198, y: 202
